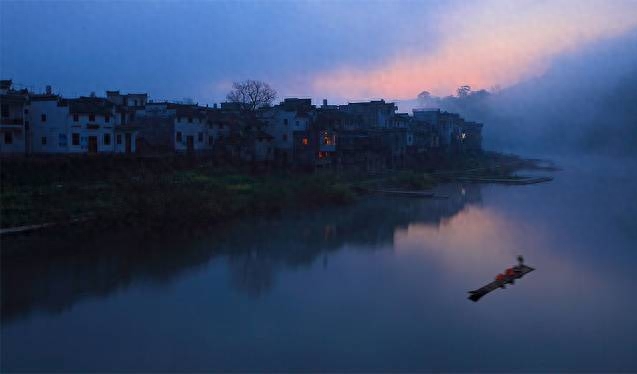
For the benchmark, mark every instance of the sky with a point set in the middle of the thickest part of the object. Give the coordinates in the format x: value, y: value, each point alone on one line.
x: 340, y: 50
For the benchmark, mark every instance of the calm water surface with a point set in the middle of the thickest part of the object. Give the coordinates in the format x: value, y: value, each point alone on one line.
x: 381, y: 285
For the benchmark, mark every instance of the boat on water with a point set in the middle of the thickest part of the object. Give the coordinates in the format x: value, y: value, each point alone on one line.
x: 501, y: 280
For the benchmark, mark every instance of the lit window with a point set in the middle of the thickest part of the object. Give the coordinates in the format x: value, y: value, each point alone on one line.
x: 306, y: 141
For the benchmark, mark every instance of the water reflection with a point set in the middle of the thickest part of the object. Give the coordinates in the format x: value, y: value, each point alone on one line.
x: 50, y: 272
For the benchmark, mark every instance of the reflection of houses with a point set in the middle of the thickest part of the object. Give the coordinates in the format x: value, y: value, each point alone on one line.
x: 118, y: 259
x: 13, y: 119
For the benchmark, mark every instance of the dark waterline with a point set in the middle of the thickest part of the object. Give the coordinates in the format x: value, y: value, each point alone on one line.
x: 380, y: 285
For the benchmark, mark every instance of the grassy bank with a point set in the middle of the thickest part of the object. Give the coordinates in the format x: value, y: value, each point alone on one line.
x: 172, y: 191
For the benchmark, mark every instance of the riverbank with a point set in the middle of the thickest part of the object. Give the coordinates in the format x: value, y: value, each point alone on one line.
x: 186, y: 191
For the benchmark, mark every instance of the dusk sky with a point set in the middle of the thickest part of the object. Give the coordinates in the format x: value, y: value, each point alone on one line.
x: 339, y: 50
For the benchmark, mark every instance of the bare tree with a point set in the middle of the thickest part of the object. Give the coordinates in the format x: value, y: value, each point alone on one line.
x: 251, y: 94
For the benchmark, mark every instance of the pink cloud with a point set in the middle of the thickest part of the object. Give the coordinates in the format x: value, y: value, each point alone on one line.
x: 485, y: 44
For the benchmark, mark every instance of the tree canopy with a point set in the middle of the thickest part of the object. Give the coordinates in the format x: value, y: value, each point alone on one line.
x: 251, y: 94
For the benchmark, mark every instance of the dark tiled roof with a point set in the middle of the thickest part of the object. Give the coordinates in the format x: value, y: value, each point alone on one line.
x: 94, y: 105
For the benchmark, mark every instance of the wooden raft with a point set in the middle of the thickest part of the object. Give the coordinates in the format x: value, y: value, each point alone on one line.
x: 475, y: 295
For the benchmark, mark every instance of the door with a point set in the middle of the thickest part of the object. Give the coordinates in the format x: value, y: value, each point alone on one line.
x: 128, y: 142
x: 190, y: 143
x: 92, y: 144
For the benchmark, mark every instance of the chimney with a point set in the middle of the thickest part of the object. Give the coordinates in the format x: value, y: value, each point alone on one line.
x: 214, y: 105
x: 324, y: 103
x: 48, y: 89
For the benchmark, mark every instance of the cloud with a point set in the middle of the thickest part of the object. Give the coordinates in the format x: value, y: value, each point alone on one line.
x: 485, y: 44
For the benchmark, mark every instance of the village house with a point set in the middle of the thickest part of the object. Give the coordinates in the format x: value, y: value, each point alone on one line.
x: 316, y: 146
x: 368, y: 136
x: 13, y: 119
x: 373, y: 114
x: 282, y: 121
x: 81, y: 125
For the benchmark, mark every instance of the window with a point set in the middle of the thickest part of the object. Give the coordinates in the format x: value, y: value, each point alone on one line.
x: 76, y: 117
x: 26, y: 111
x: 75, y: 138
x: 306, y: 141
x: 285, y: 137
x: 135, y: 102
x: 43, y: 140
x: 179, y: 136
x: 43, y: 117
x: 62, y: 140
x: 285, y: 121
x: 5, y: 110
x: 297, y: 123
x: 91, y: 117
x: 200, y: 137
x: 119, y: 138
x: 107, y: 118
x: 107, y: 139
x: 210, y: 140
x: 8, y: 137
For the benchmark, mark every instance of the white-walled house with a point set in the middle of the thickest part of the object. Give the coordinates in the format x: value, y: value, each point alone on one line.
x: 283, y: 120
x: 13, y: 119
x: 191, y: 129
x: 82, y: 125
x: 166, y: 126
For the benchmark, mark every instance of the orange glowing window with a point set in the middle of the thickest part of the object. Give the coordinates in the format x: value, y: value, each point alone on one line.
x: 305, y: 141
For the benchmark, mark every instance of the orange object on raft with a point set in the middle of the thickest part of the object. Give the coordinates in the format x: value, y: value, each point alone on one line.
x: 500, y: 278
x: 510, y: 272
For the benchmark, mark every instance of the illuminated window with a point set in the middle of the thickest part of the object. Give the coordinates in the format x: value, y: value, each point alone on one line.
x: 306, y: 141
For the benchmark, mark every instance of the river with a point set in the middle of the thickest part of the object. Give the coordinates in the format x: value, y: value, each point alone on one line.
x: 377, y: 286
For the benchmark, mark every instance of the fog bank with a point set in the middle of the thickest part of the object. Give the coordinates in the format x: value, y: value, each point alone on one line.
x: 586, y: 101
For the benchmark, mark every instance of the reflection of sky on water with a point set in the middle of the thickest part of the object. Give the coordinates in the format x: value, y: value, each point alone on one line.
x: 378, y: 286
